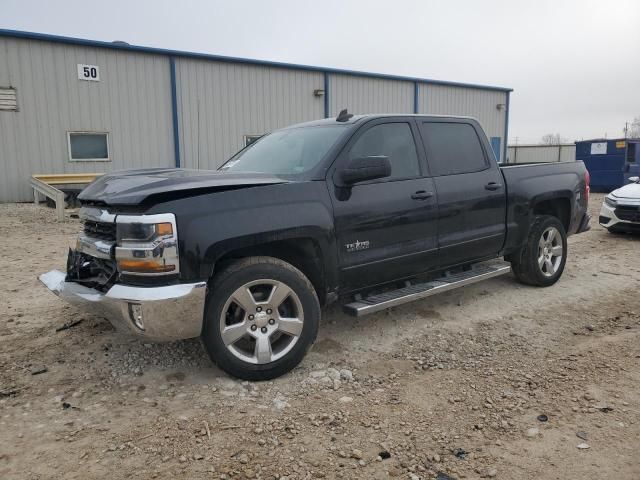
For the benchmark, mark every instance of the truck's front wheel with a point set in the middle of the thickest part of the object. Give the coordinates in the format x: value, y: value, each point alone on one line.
x: 541, y: 261
x: 261, y: 317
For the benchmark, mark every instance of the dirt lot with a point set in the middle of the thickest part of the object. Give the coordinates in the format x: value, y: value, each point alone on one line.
x: 454, y: 386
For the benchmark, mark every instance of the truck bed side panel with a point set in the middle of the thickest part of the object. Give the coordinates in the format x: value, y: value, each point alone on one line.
x: 527, y: 185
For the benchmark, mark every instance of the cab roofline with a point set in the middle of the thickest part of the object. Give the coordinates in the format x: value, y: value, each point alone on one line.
x: 372, y: 116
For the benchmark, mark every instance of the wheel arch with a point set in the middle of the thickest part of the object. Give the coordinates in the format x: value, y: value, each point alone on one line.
x: 557, y: 206
x: 304, y: 253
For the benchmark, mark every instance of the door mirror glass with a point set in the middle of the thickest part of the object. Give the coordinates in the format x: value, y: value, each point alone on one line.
x: 366, y: 168
x: 634, y: 179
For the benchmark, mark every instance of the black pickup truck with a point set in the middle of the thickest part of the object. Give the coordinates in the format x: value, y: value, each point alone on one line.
x: 377, y: 210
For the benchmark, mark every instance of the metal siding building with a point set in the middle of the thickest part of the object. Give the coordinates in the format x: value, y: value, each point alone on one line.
x: 479, y: 103
x: 565, y: 152
x: 165, y: 108
x: 131, y: 103
x: 219, y: 103
x: 369, y: 95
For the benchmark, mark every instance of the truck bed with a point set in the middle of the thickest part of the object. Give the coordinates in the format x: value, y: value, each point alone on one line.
x: 531, y: 183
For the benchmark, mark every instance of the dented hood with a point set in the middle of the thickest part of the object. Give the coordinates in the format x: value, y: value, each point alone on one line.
x: 133, y: 187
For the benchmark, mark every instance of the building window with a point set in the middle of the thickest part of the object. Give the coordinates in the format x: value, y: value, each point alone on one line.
x: 8, y: 99
x: 249, y: 139
x: 88, y: 146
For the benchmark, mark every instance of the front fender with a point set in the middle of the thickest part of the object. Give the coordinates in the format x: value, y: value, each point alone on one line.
x: 211, y: 225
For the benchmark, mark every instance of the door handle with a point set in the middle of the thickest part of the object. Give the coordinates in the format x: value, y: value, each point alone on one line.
x: 422, y: 195
x: 493, y: 186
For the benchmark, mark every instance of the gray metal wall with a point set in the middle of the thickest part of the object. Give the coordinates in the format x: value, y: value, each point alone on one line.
x: 481, y: 104
x: 541, y: 153
x: 132, y: 102
x: 369, y: 95
x: 219, y: 103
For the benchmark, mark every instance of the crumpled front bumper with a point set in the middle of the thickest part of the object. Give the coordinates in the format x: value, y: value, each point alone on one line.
x: 171, y: 312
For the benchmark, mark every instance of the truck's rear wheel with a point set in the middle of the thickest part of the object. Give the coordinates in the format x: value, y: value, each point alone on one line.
x: 542, y: 259
x: 261, y: 317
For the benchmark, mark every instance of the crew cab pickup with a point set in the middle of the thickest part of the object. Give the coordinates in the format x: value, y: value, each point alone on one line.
x: 373, y: 210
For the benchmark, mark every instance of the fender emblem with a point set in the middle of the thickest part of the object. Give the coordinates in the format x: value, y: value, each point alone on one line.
x: 357, y: 246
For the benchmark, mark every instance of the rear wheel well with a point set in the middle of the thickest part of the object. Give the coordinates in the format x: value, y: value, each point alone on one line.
x: 302, y: 253
x: 556, y: 207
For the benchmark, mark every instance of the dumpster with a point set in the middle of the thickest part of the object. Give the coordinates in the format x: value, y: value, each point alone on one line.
x: 610, y: 162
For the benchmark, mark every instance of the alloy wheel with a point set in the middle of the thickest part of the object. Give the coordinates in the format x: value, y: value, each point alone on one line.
x: 261, y: 321
x: 550, y: 251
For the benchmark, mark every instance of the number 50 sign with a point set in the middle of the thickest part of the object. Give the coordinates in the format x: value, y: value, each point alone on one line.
x: 88, y: 72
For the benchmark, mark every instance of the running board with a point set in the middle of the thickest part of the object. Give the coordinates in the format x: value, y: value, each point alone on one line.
x: 375, y: 303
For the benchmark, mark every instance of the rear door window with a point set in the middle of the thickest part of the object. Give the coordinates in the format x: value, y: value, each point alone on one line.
x: 453, y: 148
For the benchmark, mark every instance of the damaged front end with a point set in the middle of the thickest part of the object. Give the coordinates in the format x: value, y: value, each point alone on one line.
x: 126, y: 268
x: 90, y: 271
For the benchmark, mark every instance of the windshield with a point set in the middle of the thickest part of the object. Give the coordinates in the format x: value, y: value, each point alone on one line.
x: 285, y: 152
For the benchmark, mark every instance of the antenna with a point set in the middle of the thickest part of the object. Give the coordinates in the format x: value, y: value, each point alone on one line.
x: 343, y: 116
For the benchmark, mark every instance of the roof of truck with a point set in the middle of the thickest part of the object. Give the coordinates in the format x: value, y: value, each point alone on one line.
x: 370, y: 116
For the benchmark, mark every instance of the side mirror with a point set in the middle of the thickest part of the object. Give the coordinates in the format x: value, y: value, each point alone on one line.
x: 634, y: 179
x: 366, y: 168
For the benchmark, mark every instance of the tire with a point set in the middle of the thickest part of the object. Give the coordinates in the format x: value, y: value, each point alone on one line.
x: 266, y: 333
x: 535, y: 265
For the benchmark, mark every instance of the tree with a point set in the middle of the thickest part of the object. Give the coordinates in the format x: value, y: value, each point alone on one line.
x: 633, y: 130
x: 553, y: 139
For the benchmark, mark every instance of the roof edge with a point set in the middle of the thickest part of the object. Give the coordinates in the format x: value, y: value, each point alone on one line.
x: 228, y: 59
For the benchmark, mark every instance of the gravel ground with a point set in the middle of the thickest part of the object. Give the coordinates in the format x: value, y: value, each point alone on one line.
x: 496, y: 380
